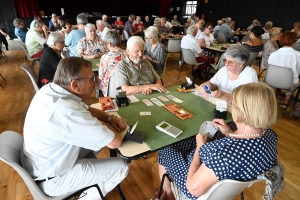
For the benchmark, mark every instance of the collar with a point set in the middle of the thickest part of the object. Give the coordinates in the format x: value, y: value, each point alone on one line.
x: 58, y: 92
x: 128, y: 61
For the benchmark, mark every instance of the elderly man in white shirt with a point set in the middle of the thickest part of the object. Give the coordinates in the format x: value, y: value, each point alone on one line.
x: 60, y: 130
x: 190, y: 42
x: 101, y: 29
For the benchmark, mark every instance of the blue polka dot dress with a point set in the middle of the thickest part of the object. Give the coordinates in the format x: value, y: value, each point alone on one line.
x: 229, y: 158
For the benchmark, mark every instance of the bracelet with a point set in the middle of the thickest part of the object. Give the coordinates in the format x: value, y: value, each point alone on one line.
x: 110, y: 117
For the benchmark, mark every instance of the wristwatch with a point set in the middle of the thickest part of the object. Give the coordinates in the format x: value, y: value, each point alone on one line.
x: 110, y: 117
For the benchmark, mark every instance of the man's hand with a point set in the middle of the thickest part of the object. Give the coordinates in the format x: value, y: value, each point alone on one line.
x: 147, y: 91
x: 159, y: 88
x: 118, y: 124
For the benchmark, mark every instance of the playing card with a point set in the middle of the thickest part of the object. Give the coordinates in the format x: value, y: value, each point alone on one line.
x: 157, y: 102
x: 147, y: 102
x: 208, y: 127
x: 145, y: 113
x: 163, y: 98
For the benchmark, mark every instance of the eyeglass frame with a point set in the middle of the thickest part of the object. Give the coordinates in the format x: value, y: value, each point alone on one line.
x: 229, y: 63
x: 94, y: 79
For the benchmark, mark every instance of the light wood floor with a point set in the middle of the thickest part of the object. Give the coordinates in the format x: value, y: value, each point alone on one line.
x: 143, y: 178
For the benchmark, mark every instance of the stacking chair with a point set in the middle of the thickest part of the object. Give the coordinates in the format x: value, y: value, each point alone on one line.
x: 2, y: 53
x: 32, y: 75
x: 189, y: 58
x: 125, y: 35
x: 11, y: 144
x: 3, y: 79
x: 32, y: 60
x: 251, y: 59
x: 226, y: 189
x: 221, y: 37
x: 19, y: 38
x: 218, y: 66
x: 174, y: 46
x: 112, y: 87
x: 164, y: 70
x: 297, y: 46
x: 282, y: 77
x: 261, y: 66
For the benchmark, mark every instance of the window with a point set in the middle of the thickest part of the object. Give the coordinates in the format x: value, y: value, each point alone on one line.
x: 190, y: 8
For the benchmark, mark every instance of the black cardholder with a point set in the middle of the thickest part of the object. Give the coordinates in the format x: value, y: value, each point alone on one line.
x: 188, y: 86
x: 136, y: 136
x: 220, y: 115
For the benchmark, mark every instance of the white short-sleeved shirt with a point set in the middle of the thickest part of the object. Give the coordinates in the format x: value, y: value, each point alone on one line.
x: 208, y: 39
x: 34, y: 42
x: 103, y: 33
x: 189, y: 42
x: 286, y: 57
x: 57, y: 126
x: 220, y: 79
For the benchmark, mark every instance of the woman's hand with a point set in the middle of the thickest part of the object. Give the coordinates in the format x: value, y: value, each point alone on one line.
x: 202, y: 90
x: 200, y: 140
x: 217, y: 93
x: 223, y: 127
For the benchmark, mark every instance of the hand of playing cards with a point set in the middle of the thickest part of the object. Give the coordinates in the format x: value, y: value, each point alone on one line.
x: 208, y: 127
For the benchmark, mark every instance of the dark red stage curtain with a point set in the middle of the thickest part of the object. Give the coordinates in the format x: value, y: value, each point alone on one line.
x: 164, y: 7
x: 26, y: 8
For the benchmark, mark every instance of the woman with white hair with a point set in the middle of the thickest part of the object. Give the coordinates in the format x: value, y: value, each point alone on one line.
x: 154, y: 51
x: 91, y: 46
x: 50, y: 58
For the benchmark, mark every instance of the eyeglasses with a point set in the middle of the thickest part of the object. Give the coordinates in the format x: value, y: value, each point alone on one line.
x: 230, y: 63
x: 149, y: 38
x: 210, y: 29
x: 92, y: 79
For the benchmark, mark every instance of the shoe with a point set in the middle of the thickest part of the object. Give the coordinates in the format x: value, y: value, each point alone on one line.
x: 282, y: 106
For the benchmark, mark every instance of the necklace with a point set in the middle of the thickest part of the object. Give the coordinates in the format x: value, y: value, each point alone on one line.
x: 253, y: 134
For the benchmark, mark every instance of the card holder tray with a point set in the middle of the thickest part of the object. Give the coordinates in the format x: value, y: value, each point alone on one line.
x: 136, y: 136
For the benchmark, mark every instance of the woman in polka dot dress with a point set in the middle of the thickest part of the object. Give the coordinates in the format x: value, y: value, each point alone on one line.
x: 195, y: 165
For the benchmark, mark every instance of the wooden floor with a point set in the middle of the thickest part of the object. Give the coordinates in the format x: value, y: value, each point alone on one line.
x: 143, y: 178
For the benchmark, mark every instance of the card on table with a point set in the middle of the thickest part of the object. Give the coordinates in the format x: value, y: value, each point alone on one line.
x: 145, y: 113
x: 157, y: 102
x: 147, y: 102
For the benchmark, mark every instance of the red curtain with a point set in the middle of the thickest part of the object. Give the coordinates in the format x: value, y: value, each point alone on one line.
x: 26, y: 8
x: 164, y: 7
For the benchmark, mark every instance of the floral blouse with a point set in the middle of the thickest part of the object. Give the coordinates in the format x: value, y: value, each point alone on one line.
x: 86, y: 47
x: 108, y: 63
x: 269, y: 48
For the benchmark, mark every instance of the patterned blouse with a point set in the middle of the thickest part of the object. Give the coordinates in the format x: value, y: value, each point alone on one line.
x: 86, y: 47
x: 269, y: 48
x: 158, y: 54
x: 108, y: 63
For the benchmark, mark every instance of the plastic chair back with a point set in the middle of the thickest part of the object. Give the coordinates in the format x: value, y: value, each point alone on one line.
x: 188, y: 57
x: 220, y: 63
x: 112, y: 86
x: 279, y: 77
x: 32, y: 75
x: 174, y: 45
x: 164, y: 69
x: 216, y: 33
x: 251, y: 59
x: 297, y: 46
x: 125, y: 34
x: 221, y: 37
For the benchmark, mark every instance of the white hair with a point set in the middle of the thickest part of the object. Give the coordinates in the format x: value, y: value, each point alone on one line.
x: 55, y: 37
x: 152, y: 31
x: 133, y: 40
x: 89, y: 26
x: 156, y: 20
x: 191, y: 29
x: 100, y: 22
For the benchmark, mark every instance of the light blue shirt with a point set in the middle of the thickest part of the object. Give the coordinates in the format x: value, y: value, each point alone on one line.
x: 73, y: 39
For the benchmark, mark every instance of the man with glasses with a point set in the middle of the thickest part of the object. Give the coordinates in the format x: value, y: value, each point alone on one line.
x: 60, y: 130
x: 35, y: 41
x: 136, y: 74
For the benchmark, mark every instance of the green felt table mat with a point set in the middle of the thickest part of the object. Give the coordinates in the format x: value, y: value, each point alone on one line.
x: 155, y: 139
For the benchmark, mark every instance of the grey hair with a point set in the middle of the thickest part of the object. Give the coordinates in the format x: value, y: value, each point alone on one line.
x: 100, y: 22
x: 133, y: 40
x: 152, y: 31
x: 17, y: 21
x: 238, y: 52
x: 38, y: 24
x: 81, y: 19
x: 219, y: 22
x: 227, y: 19
x: 89, y: 26
x: 138, y: 17
x: 131, y: 16
x: 113, y: 38
x: 68, y: 69
x: 191, y: 29
x: 156, y: 20
x: 55, y: 37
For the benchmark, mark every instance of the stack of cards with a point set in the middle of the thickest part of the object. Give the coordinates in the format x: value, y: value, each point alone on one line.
x: 208, y: 127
